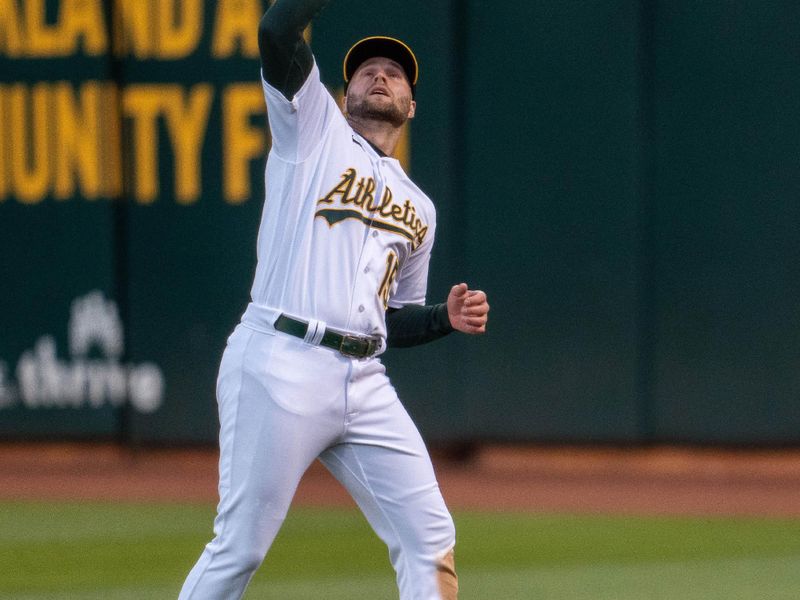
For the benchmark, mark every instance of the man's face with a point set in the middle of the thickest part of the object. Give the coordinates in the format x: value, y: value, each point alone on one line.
x: 379, y: 90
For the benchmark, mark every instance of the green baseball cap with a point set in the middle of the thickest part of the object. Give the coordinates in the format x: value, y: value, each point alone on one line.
x: 388, y: 47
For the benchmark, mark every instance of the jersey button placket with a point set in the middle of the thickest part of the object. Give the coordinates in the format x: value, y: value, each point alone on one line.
x: 364, y: 279
x: 371, y: 252
x: 379, y: 190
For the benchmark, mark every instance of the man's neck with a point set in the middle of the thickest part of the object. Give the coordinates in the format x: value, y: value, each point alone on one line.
x: 382, y: 135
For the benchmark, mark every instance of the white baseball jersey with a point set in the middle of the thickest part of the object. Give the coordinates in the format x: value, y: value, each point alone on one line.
x: 344, y: 233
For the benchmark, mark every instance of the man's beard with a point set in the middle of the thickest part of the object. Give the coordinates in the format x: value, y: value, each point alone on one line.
x: 364, y: 108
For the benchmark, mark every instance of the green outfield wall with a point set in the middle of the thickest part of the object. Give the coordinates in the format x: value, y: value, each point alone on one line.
x: 622, y: 177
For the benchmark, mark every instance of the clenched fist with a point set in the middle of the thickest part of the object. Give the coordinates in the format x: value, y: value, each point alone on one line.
x: 468, y: 309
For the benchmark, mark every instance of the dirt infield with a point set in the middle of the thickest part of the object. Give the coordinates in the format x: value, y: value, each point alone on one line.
x: 662, y: 481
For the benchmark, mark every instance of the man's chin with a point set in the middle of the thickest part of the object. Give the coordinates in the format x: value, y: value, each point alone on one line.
x: 389, y: 115
x: 378, y: 111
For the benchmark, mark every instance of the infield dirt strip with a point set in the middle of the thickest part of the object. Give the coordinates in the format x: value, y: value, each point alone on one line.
x: 646, y: 481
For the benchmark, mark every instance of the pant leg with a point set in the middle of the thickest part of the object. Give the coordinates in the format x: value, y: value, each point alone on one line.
x: 385, y: 466
x: 280, y: 405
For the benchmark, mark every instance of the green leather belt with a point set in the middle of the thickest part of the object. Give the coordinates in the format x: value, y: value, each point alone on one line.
x: 347, y: 344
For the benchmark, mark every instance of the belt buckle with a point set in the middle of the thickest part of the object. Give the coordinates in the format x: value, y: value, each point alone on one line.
x: 358, y: 347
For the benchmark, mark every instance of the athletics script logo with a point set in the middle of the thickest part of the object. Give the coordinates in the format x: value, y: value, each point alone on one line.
x: 357, y: 198
x: 45, y: 381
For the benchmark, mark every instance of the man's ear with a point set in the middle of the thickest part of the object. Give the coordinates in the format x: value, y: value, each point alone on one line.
x: 412, y: 110
x: 343, y: 102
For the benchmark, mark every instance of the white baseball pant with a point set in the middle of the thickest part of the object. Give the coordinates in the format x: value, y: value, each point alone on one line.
x: 282, y: 404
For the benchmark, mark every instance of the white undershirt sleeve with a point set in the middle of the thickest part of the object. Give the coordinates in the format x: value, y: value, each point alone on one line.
x: 298, y: 125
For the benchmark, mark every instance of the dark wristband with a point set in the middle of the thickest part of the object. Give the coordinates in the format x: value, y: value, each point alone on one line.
x: 415, y: 324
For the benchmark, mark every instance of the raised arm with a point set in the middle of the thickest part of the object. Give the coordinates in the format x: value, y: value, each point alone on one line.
x: 286, y: 59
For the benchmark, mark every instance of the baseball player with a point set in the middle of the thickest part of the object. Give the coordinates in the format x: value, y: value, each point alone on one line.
x: 343, y: 251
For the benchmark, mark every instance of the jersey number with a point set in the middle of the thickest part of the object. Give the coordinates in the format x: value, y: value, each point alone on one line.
x: 388, y: 279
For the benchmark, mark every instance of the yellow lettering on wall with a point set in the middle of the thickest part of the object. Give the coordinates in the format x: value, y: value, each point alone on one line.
x: 187, y: 119
x: 27, y: 112
x: 11, y: 42
x: 111, y: 143
x: 242, y: 142
x: 43, y: 39
x: 133, y: 32
x: 143, y: 105
x: 83, y: 19
x: 63, y: 140
x: 161, y: 29
x: 77, y: 148
x: 180, y: 25
x: 235, y: 28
